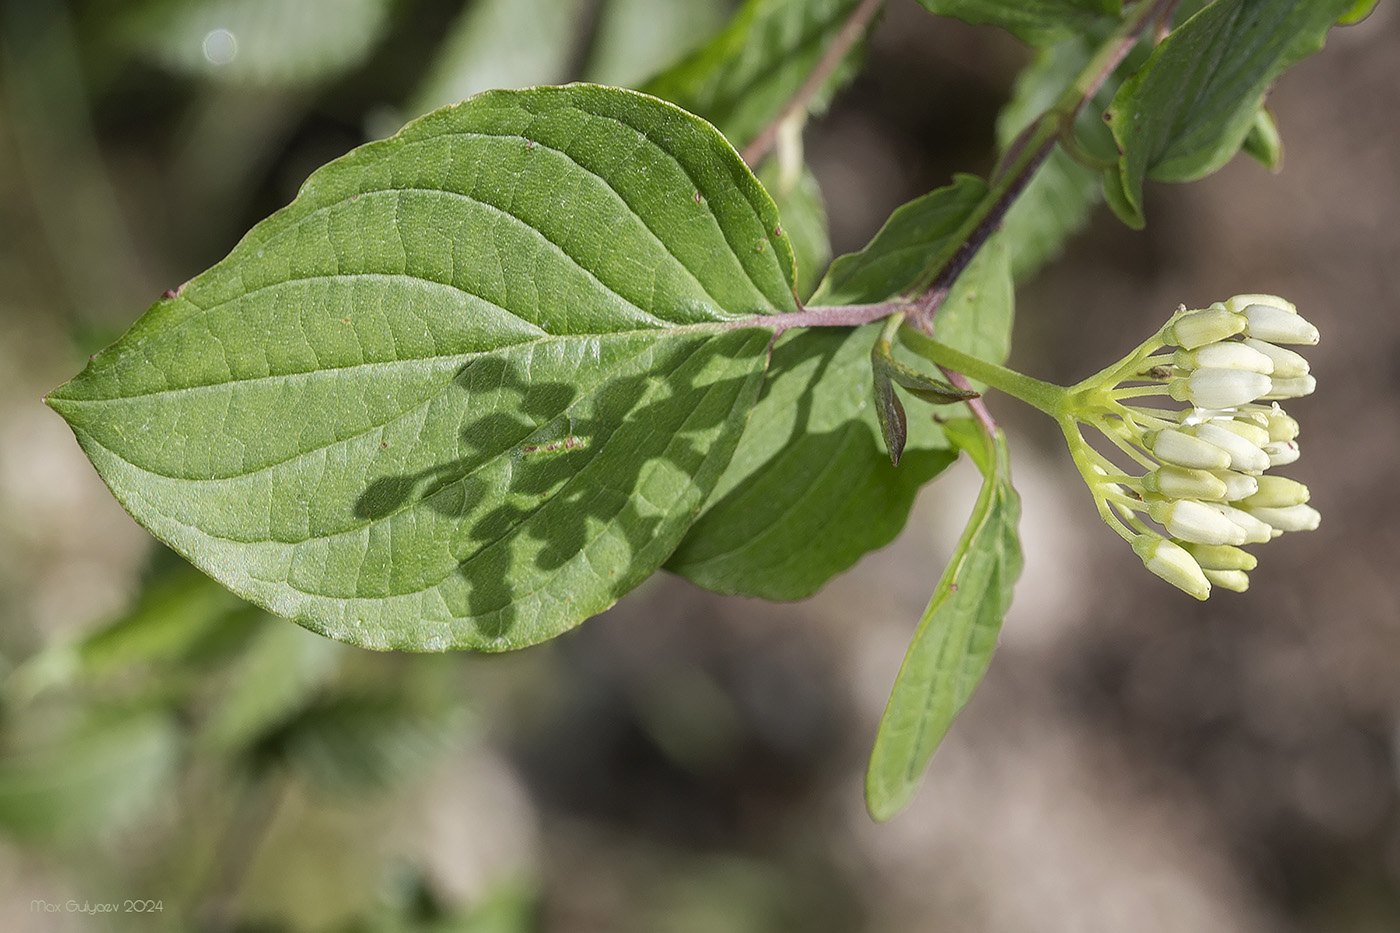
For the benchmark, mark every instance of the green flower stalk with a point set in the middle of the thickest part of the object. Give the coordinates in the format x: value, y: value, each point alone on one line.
x: 1193, y: 418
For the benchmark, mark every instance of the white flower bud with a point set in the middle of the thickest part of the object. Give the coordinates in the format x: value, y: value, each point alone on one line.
x: 1277, y: 492
x: 1245, y: 456
x: 1230, y: 355
x: 1292, y: 518
x: 1287, y: 363
x: 1237, y: 485
x: 1172, y: 563
x: 1257, y: 530
x: 1247, y: 425
x: 1240, y: 302
x: 1174, y: 482
x: 1296, y: 387
x: 1281, y: 427
x: 1220, y: 388
x: 1221, y: 557
x: 1236, y: 580
x: 1282, y: 453
x: 1276, y: 325
x: 1198, y: 328
x: 1197, y: 522
x: 1176, y: 446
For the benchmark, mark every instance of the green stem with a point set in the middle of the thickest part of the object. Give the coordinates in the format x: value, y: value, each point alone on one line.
x: 1046, y: 396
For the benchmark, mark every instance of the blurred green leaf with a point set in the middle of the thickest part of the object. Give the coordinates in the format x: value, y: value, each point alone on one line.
x: 743, y: 79
x: 954, y: 641
x: 1187, y: 111
x: 810, y: 489
x: 82, y: 779
x: 803, y: 213
x: 466, y: 390
x: 501, y: 44
x: 635, y: 39
x: 1038, y: 22
x: 279, y: 674
x: 265, y: 42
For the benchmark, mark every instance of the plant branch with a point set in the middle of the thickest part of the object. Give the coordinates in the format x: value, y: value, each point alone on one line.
x: 854, y: 27
x: 1025, y: 155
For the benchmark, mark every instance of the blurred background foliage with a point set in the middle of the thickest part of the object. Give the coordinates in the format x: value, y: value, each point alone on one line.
x: 686, y: 762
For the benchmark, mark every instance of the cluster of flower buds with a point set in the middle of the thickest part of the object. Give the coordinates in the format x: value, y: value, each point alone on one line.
x: 1205, y: 479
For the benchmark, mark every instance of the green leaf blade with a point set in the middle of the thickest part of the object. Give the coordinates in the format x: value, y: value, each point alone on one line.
x: 955, y: 638
x: 1191, y: 107
x: 472, y: 385
x: 1039, y: 22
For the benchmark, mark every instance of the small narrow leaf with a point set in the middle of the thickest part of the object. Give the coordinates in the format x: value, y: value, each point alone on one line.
x: 811, y: 488
x: 954, y: 641
x: 1038, y: 22
x: 1188, y: 110
x: 1263, y: 142
x: 471, y: 386
x: 906, y: 252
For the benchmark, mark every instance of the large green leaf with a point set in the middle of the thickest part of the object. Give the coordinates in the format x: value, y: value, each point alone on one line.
x: 1188, y: 110
x: 1036, y: 21
x: 811, y: 488
x: 954, y: 641
x: 471, y: 386
x: 258, y: 41
x: 743, y: 78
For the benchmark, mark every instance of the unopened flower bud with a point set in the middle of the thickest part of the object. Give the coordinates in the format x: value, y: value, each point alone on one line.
x: 1220, y: 388
x: 1245, y: 456
x: 1172, y: 563
x: 1287, y: 363
x: 1198, y: 328
x: 1256, y: 529
x: 1230, y: 355
x: 1239, y: 302
x: 1197, y: 522
x: 1236, y: 580
x: 1281, y: 427
x: 1292, y: 518
x: 1277, y: 492
x: 1296, y: 387
x: 1221, y: 557
x: 1276, y: 325
x: 1282, y: 453
x: 1237, y: 485
x: 1176, y: 446
x: 1246, y: 425
x: 1173, y: 482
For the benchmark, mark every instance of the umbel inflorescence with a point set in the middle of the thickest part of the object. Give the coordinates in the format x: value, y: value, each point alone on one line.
x: 1206, y: 465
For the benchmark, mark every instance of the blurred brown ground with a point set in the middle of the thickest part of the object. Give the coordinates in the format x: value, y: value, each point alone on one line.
x: 1134, y: 761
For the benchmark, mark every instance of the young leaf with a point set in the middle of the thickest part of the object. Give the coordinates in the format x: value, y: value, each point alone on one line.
x: 905, y: 252
x: 956, y: 636
x: 1039, y: 22
x: 810, y: 489
x: 471, y: 386
x: 1187, y: 111
x: 744, y: 77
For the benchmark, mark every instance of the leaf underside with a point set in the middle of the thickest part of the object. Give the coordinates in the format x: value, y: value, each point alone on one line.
x: 473, y: 384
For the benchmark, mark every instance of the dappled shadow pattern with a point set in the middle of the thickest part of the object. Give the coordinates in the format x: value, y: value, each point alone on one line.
x: 569, y: 498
